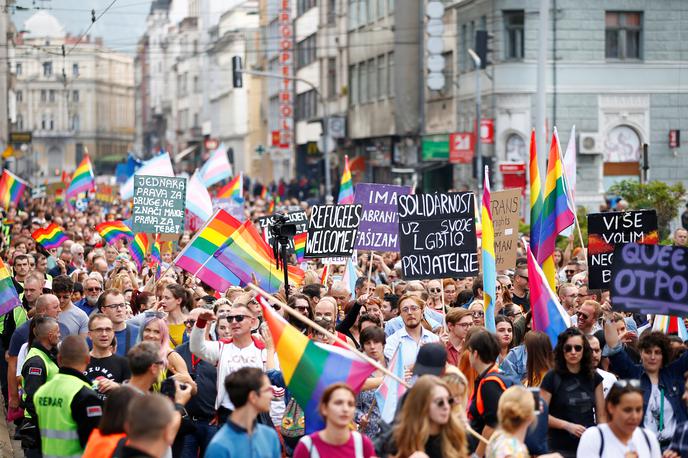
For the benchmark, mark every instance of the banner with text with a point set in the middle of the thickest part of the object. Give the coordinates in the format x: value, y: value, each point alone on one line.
x: 332, y: 231
x: 298, y: 218
x: 438, y: 235
x: 506, y: 207
x: 379, y: 228
x: 612, y: 229
x: 158, y: 204
x: 650, y: 279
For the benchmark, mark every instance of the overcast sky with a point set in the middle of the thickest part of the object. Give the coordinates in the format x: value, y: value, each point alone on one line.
x: 120, y: 27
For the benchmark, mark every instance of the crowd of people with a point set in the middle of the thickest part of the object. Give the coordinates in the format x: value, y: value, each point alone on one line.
x: 102, y: 359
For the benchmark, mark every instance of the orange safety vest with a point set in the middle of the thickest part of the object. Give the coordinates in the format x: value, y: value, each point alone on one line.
x: 492, y: 375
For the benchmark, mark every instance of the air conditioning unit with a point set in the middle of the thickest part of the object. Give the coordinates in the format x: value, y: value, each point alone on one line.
x: 589, y: 143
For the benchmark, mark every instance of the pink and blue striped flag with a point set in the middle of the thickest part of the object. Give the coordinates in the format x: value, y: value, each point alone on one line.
x: 548, y: 314
x: 346, y: 186
x: 216, y: 168
x: 488, y: 257
x: 390, y: 391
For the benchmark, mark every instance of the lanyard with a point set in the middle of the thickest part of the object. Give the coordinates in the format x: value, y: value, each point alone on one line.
x: 661, y: 409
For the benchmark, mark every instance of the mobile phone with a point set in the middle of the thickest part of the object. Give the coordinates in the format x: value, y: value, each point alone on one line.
x: 535, y: 392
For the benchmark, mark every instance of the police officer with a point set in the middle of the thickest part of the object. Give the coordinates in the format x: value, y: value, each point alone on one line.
x: 39, y: 367
x: 66, y: 406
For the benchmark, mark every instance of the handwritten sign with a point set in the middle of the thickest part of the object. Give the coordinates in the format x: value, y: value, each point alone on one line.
x: 158, y: 204
x: 506, y: 207
x: 298, y: 218
x: 332, y: 231
x: 379, y: 229
x: 437, y: 235
x: 611, y: 229
x: 650, y: 279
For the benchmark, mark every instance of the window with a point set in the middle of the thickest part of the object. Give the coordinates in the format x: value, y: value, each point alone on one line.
x: 448, y: 72
x: 380, y: 9
x: 390, y: 7
x: 382, y: 76
x: 372, y: 14
x: 44, y: 121
x: 363, y: 81
x: 196, y: 87
x: 47, y: 69
x: 353, y: 85
x: 331, y: 11
x: 75, y: 70
x: 513, y: 34
x: 515, y: 148
x: 51, y: 96
x: 304, y: 5
x: 305, y: 51
x: 75, y: 96
x: 353, y: 14
x: 20, y: 122
x: 20, y: 96
x: 75, y: 123
x: 464, y: 48
x: 372, y: 80
x: 18, y: 69
x: 390, y: 63
x: 331, y: 77
x: 306, y: 105
x: 44, y: 95
x: 623, y: 35
x: 362, y: 12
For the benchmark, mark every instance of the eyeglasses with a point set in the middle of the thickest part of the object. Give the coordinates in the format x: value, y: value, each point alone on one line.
x: 582, y: 315
x: 410, y: 309
x: 633, y: 383
x: 568, y: 348
x: 443, y: 401
x: 570, y: 271
x: 435, y: 290
x: 122, y: 305
x: 478, y: 313
x: 94, y: 289
x: 101, y: 330
x: 301, y: 308
x: 237, y: 318
x: 465, y: 325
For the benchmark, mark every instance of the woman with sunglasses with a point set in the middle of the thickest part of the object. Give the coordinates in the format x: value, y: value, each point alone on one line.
x: 573, y: 391
x: 622, y: 435
x: 476, y: 309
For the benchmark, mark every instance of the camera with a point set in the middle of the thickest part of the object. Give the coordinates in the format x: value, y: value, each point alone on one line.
x: 282, y: 228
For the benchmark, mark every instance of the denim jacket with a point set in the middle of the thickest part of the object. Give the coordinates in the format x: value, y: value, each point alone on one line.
x: 670, y: 378
x: 514, y: 365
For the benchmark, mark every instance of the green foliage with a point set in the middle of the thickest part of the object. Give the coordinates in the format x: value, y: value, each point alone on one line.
x: 656, y: 195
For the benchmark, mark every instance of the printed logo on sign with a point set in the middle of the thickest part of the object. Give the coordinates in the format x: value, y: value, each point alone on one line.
x: 35, y: 371
x: 94, y: 411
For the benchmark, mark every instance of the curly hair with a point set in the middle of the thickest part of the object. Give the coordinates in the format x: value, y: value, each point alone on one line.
x: 586, y: 367
x: 656, y: 339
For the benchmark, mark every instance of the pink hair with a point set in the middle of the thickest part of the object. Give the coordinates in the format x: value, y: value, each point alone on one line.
x: 164, y: 336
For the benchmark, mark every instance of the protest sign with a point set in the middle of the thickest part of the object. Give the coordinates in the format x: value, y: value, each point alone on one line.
x: 298, y: 218
x: 650, y: 279
x: 332, y: 231
x: 611, y: 229
x: 438, y: 235
x: 231, y: 206
x: 158, y: 204
x: 505, y: 206
x: 379, y: 228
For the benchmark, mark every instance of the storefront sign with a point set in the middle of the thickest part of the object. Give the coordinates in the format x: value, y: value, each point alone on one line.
x: 461, y: 148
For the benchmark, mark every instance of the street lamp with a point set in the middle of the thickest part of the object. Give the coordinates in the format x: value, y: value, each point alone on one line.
x: 478, y: 155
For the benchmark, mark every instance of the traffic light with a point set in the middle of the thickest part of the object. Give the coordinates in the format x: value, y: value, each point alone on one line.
x: 482, y: 39
x: 237, y: 76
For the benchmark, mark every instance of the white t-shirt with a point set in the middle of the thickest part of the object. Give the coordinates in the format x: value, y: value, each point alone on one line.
x: 608, y: 380
x: 590, y: 442
x: 652, y: 415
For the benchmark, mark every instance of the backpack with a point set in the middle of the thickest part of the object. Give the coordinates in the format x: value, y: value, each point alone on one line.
x: 313, y: 450
x: 642, y: 430
x: 293, y: 420
x: 493, y: 376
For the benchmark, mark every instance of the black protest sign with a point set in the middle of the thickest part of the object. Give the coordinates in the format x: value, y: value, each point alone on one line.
x: 650, y: 279
x: 332, y: 231
x: 297, y: 218
x: 158, y: 204
x: 438, y: 235
x: 612, y: 229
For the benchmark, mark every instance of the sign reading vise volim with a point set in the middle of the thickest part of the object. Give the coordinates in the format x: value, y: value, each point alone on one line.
x: 379, y: 229
x: 438, y: 235
x: 612, y: 229
x: 158, y: 204
x: 332, y: 231
x: 650, y: 279
x: 505, y: 206
x: 298, y: 218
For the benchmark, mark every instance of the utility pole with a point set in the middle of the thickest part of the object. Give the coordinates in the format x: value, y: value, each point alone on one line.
x: 541, y: 105
x: 478, y: 154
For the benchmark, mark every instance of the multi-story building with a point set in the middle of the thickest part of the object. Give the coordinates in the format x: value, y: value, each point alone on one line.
x: 81, y: 102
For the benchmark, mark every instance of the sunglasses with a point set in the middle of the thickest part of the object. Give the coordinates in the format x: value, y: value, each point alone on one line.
x: 442, y: 402
x: 478, y: 313
x: 570, y: 271
x: 582, y: 315
x: 568, y: 348
x: 633, y: 383
x: 190, y: 322
x: 237, y: 318
x: 435, y: 290
x: 95, y: 289
x: 301, y: 308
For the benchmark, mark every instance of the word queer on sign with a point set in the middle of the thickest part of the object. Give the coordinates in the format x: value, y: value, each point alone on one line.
x: 437, y: 235
x: 612, y: 229
x: 650, y: 279
x: 158, y: 204
x: 298, y: 218
x: 505, y: 206
x: 379, y: 228
x: 332, y: 231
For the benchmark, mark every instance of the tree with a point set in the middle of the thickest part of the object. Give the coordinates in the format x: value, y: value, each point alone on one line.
x: 656, y: 195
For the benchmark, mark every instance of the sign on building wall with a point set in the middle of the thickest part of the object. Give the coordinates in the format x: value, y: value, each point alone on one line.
x: 285, y: 116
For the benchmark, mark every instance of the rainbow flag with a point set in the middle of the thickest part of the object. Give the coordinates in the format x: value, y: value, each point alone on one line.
x: 245, y: 253
x: 139, y: 249
x: 111, y: 231
x: 264, y: 192
x: 271, y: 207
x: 9, y: 299
x: 82, y: 179
x: 346, y: 186
x: 197, y: 256
x: 234, y: 189
x: 548, y: 314
x: 308, y: 367
x: 300, y: 246
x: 388, y: 394
x: 11, y: 188
x: 50, y: 237
x: 155, y: 251
x: 59, y: 197
x: 535, y: 196
x: 670, y: 325
x: 325, y: 273
x: 488, y: 257
x: 556, y: 212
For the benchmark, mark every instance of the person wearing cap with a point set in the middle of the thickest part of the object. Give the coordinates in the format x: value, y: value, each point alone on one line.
x: 409, y: 339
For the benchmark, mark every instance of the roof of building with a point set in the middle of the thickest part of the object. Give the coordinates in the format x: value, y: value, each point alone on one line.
x: 160, y: 5
x: 43, y: 24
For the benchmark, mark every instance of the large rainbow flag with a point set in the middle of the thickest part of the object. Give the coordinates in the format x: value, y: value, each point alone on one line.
x: 111, y: 231
x: 9, y: 299
x: 11, y: 188
x: 308, y: 367
x: 50, y: 237
x: 346, y: 186
x: 556, y: 213
x: 139, y: 249
x: 197, y: 256
x: 535, y: 196
x: 234, y: 189
x: 488, y: 257
x: 548, y: 314
x: 82, y: 179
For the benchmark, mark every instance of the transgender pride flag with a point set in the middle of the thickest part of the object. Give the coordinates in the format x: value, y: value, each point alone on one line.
x: 388, y: 394
x: 548, y: 314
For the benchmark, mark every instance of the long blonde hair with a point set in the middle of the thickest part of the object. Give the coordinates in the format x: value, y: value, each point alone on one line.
x: 413, y: 430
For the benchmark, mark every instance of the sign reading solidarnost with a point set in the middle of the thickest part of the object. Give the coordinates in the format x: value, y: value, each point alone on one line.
x: 438, y: 235
x: 612, y: 229
x: 158, y: 204
x: 298, y: 217
x: 332, y: 231
x: 650, y: 279
x: 379, y: 228
x: 506, y: 207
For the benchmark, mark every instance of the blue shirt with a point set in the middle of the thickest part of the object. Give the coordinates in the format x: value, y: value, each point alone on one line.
x: 201, y: 405
x: 233, y: 441
x: 409, y: 347
x: 85, y: 306
x: 432, y: 316
x: 126, y: 338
